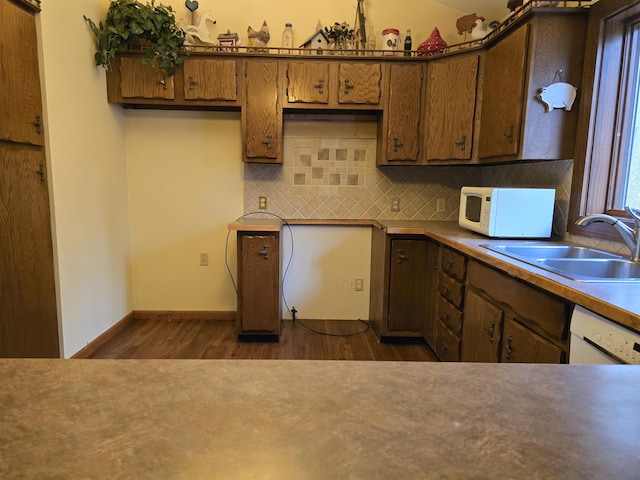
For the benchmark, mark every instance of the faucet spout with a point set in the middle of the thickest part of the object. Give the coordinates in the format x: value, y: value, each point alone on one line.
x: 630, y: 236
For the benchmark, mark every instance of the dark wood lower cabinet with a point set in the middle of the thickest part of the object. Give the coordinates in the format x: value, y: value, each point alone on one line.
x: 482, y: 329
x: 259, y: 308
x: 28, y: 311
x: 521, y: 345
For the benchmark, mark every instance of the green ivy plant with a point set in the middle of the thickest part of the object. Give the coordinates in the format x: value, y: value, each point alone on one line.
x: 128, y: 19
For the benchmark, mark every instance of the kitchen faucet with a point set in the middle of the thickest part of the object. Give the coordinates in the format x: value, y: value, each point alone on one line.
x: 631, y: 236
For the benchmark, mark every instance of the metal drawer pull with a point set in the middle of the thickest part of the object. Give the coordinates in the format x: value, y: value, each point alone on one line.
x: 267, y: 142
x: 462, y: 143
x: 401, y: 256
x: 320, y: 86
x: 509, y: 135
x: 509, y: 350
x: 265, y: 252
x: 397, y: 144
x: 491, y: 331
x: 348, y: 86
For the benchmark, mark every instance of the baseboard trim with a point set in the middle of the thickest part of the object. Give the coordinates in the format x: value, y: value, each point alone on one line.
x: 92, y: 347
x: 182, y: 315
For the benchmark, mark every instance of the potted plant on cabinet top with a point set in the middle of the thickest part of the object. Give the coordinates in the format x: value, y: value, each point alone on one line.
x: 131, y: 24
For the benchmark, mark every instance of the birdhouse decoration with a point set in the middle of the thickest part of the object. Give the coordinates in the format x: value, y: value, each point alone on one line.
x: 317, y: 42
x: 228, y: 41
x: 433, y: 45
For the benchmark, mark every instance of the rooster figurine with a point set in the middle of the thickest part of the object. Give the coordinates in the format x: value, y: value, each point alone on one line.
x: 259, y: 38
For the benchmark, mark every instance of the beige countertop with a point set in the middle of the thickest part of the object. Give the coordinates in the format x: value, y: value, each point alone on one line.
x: 247, y: 419
x: 618, y: 301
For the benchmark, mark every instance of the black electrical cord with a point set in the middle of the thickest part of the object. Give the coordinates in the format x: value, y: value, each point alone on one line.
x: 366, y: 328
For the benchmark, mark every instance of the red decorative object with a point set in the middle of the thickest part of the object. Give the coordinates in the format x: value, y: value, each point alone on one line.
x: 433, y: 45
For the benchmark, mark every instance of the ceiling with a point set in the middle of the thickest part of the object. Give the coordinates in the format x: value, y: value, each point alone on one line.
x: 490, y: 9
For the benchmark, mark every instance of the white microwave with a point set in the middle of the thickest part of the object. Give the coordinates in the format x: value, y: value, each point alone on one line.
x: 507, y: 212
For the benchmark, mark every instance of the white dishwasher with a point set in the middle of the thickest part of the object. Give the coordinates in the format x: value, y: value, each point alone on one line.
x: 597, y: 340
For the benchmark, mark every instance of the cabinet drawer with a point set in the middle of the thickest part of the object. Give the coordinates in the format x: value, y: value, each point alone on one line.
x: 453, y: 263
x: 447, y: 344
x: 451, y: 289
x: 541, y: 312
x: 450, y: 316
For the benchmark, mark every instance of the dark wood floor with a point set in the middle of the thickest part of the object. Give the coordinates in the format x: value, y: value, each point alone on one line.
x: 217, y: 339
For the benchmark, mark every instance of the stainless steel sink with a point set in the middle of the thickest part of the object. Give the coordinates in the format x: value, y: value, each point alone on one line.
x: 578, y: 263
x: 550, y: 251
x: 594, y: 268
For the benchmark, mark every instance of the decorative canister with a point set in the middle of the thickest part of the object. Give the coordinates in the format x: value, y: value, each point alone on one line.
x: 390, y: 38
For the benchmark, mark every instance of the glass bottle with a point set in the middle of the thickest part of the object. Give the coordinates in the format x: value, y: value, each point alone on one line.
x: 371, y: 40
x: 287, y: 38
x: 407, y: 44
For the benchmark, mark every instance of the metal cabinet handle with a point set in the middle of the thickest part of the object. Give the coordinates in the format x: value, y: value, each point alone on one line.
x: 163, y: 82
x: 265, y: 252
x: 445, y: 316
x: 491, y: 331
x: 401, y: 256
x: 462, y: 143
x: 508, y: 349
x: 41, y: 172
x: 192, y: 83
x: 509, y: 134
x: 348, y: 86
x: 446, y: 291
x: 450, y: 264
x: 38, y: 123
x: 397, y: 144
x: 320, y: 86
x: 267, y: 141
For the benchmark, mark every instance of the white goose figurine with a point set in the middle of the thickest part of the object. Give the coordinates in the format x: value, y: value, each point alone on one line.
x: 200, y: 31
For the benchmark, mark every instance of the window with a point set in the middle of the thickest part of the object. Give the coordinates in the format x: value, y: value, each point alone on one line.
x: 607, y: 169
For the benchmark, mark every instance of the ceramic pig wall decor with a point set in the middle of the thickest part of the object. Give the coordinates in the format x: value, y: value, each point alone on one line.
x: 557, y: 95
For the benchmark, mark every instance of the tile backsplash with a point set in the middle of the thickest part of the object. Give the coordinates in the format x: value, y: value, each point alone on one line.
x: 329, y: 172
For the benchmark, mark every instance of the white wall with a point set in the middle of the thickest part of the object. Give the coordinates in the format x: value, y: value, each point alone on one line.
x: 87, y: 174
x: 185, y: 177
x: 320, y: 282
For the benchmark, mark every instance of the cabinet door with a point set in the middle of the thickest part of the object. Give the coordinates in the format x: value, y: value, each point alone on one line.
x: 258, y: 283
x: 451, y: 107
x: 139, y: 80
x: 407, y: 285
x: 403, y: 112
x: 482, y: 327
x: 521, y: 345
x: 308, y: 82
x: 359, y: 83
x: 433, y: 262
x: 28, y: 314
x: 210, y: 79
x: 503, y: 95
x: 20, y: 98
x: 261, y: 115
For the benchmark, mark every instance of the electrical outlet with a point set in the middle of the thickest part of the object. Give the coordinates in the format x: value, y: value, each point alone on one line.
x: 359, y: 284
x: 440, y: 205
x: 262, y: 202
x: 395, y: 205
x: 204, y: 259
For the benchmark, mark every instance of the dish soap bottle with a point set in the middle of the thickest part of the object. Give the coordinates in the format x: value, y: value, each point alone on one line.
x: 287, y: 38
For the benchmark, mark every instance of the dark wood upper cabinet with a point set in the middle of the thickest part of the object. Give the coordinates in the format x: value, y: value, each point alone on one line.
x: 210, y: 79
x: 20, y: 97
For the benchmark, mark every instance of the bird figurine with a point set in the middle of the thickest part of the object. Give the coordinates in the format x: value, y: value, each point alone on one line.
x: 259, y: 38
x: 479, y: 30
x: 200, y: 31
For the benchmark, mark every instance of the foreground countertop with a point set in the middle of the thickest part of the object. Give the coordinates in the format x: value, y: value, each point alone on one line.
x: 236, y: 419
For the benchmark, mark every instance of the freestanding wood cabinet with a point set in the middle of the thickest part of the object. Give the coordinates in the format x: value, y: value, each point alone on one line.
x: 28, y: 312
x: 259, y: 308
